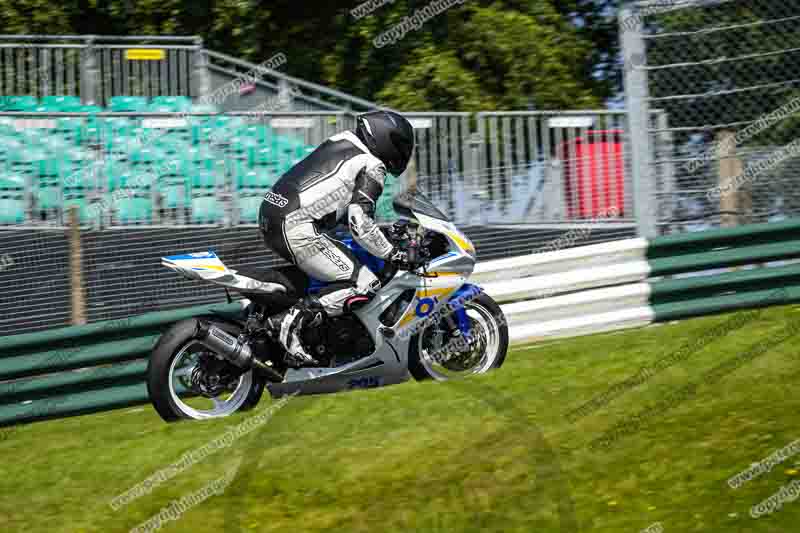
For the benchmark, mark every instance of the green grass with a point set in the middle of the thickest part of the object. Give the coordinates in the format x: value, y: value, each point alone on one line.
x: 494, y: 453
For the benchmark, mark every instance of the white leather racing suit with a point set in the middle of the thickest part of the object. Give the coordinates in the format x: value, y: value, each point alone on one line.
x: 340, y: 178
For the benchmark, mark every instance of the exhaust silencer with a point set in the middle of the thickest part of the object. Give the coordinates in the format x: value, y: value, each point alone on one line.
x: 225, y: 344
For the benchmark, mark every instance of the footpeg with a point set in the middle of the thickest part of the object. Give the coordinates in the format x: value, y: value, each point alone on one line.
x: 267, y: 369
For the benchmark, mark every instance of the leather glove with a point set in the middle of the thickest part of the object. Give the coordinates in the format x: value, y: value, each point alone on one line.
x: 398, y: 257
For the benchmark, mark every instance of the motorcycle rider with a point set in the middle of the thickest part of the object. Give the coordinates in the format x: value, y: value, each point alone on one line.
x: 343, y: 177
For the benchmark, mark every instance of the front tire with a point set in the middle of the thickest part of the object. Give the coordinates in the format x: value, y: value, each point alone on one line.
x: 166, y: 383
x: 488, y: 341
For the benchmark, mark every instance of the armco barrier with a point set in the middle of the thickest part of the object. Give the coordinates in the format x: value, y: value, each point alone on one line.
x: 82, y: 369
x: 582, y: 290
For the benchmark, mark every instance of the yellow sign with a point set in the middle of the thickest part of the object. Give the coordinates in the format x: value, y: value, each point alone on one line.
x: 144, y: 54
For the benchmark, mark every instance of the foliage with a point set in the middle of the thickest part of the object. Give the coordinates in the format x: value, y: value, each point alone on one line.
x: 499, y: 54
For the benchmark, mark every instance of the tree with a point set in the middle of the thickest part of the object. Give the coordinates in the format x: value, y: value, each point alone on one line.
x: 497, y: 54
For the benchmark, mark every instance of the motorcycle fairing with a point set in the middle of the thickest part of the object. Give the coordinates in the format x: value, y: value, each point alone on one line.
x: 206, y: 266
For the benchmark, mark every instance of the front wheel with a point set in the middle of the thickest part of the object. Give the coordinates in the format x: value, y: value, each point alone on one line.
x: 435, y: 353
x: 185, y: 379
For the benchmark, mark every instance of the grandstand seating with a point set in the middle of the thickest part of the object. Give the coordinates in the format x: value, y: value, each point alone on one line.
x: 84, y: 161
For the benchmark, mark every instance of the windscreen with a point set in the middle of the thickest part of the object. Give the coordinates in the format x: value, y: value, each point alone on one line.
x: 408, y: 202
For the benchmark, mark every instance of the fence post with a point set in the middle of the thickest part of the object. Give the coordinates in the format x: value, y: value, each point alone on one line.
x: 285, y: 95
x: 201, y: 78
x: 636, y: 99
x: 90, y: 74
x: 76, y: 268
x: 666, y: 200
x: 734, y: 205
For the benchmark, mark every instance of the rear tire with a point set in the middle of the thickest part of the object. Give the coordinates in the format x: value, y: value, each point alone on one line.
x: 422, y: 369
x: 171, y: 343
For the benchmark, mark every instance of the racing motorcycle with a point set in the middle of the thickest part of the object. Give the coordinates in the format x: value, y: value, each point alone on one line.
x: 426, y: 321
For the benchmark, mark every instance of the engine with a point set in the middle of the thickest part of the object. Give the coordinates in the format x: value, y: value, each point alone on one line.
x: 339, y: 340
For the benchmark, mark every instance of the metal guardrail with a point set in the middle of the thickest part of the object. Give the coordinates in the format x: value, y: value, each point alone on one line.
x: 97, y: 67
x: 312, y: 93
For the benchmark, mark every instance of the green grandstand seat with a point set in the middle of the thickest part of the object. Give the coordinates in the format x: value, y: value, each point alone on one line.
x: 119, y: 126
x: 262, y: 154
x: 21, y: 103
x: 61, y: 103
x: 63, y: 163
x: 3, y: 100
x: 7, y: 128
x: 218, y: 130
x: 47, y: 196
x: 135, y: 178
x: 206, y: 210
x: 49, y: 167
x: 33, y: 138
x: 111, y: 171
x: 290, y: 146
x: 54, y: 144
x: 176, y: 194
x: 202, y: 157
x: 12, y: 182
x: 170, y: 103
x: 203, y: 179
x: 128, y: 103
x: 71, y: 129
x: 92, y: 126
x: 257, y: 178
x: 12, y: 210
x: 225, y: 122
x: 118, y: 132
x: 236, y: 168
x: 175, y: 197
x: 172, y: 143
x: 135, y: 210
x: 199, y: 177
x: 9, y: 148
x: 259, y: 132
x: 120, y: 150
x: 81, y: 178
x: 242, y: 145
x: 28, y: 160
x: 148, y: 155
x: 249, y: 207
x: 200, y: 133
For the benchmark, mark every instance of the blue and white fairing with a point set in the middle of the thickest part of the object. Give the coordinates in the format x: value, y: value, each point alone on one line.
x: 206, y: 266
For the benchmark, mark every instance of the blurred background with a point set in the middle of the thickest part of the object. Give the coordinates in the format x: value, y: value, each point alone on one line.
x: 134, y: 130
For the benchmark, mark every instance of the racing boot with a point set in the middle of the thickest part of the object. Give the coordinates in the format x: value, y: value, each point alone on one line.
x: 288, y: 326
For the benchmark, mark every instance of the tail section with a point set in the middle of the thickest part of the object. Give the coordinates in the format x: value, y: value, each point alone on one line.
x: 206, y: 266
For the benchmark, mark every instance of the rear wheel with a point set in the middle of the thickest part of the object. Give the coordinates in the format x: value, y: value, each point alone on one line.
x: 435, y: 353
x: 186, y: 379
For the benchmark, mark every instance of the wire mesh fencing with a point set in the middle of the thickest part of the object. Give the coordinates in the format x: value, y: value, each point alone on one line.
x: 725, y: 73
x: 153, y: 184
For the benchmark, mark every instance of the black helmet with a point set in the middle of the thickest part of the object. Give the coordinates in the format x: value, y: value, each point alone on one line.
x: 389, y: 137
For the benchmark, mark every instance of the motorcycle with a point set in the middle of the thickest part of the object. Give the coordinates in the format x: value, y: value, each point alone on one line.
x: 425, y: 321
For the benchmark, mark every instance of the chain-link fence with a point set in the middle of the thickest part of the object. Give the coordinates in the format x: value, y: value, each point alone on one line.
x: 151, y: 184
x: 725, y: 73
